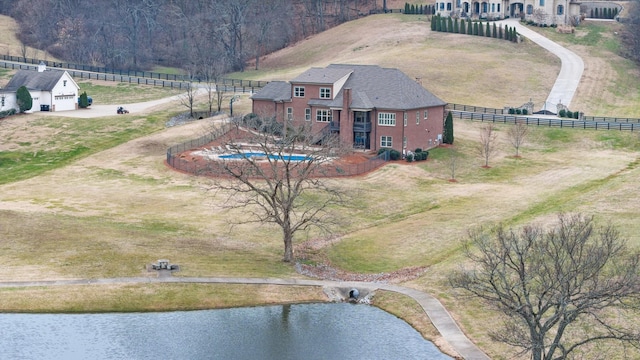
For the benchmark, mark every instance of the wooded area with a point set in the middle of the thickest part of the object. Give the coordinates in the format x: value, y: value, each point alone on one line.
x: 218, y: 36
x: 203, y: 37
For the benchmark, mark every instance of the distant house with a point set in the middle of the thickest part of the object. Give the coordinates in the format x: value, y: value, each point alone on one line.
x: 540, y: 11
x: 369, y: 106
x: 51, y: 90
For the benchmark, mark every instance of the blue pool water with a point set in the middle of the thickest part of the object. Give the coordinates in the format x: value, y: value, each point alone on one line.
x: 259, y: 154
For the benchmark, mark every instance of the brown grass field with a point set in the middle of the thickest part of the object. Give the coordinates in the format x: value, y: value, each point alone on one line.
x: 111, y: 213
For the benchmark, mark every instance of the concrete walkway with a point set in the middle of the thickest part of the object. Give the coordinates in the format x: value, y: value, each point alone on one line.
x: 438, y: 315
x: 571, y: 69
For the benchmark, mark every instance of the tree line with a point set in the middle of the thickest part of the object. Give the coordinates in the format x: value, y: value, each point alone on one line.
x: 137, y: 35
x: 477, y: 28
x: 630, y: 31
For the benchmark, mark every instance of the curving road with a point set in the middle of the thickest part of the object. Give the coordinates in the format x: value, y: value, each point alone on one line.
x: 571, y: 69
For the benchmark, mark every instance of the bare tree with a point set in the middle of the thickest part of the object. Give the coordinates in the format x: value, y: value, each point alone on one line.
x: 539, y: 16
x: 453, y: 160
x: 233, y: 28
x: 188, y: 98
x: 560, y: 289
x: 630, y: 31
x: 518, y: 136
x: 487, y: 146
x: 278, y: 188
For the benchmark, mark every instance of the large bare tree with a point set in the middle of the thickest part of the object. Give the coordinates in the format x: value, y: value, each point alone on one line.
x: 278, y: 187
x: 561, y: 290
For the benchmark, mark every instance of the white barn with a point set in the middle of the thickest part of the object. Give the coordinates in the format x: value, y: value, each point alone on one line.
x: 51, y: 90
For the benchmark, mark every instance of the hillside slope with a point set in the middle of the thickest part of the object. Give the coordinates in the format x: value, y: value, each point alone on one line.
x: 466, y: 69
x: 457, y: 68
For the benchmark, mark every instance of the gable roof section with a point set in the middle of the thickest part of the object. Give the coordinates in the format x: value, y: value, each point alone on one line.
x: 371, y: 87
x: 274, y: 91
x: 326, y: 76
x: 384, y: 88
x: 34, y: 80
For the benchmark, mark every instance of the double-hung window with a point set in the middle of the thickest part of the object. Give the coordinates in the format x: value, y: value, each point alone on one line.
x: 386, y: 119
x: 323, y: 115
x: 289, y: 113
x: 325, y: 93
x: 386, y: 141
x: 307, y: 114
x: 426, y: 114
x: 298, y: 91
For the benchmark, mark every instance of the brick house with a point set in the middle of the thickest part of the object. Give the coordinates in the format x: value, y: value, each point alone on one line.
x: 370, y: 107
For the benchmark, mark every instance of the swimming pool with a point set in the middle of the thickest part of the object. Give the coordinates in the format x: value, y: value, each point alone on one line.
x: 262, y: 155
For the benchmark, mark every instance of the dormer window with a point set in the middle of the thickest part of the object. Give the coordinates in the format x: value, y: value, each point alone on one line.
x: 325, y: 93
x: 298, y: 91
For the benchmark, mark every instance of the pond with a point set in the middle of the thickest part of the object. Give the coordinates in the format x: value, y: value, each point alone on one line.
x: 302, y: 331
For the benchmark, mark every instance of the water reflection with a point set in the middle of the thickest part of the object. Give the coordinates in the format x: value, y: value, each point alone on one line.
x: 302, y: 331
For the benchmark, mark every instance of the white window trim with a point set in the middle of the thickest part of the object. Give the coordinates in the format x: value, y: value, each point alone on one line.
x: 323, y: 114
x: 386, y: 139
x: 326, y: 94
x: 307, y: 114
x: 386, y: 119
x: 298, y: 91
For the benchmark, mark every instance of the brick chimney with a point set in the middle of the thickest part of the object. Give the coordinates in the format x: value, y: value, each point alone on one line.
x: 346, y: 119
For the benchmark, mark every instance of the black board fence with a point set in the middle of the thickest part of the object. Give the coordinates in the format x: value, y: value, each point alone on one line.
x: 548, y: 122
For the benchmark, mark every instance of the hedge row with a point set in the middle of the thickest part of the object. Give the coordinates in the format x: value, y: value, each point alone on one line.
x: 477, y: 28
x: 604, y: 13
x: 417, y: 155
x: 569, y: 114
x: 412, y: 9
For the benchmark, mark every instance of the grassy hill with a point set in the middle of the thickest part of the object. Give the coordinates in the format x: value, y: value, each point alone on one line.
x: 118, y: 207
x: 469, y: 69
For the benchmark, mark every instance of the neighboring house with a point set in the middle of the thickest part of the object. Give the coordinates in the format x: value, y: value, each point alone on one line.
x: 51, y: 90
x: 540, y: 11
x: 369, y: 106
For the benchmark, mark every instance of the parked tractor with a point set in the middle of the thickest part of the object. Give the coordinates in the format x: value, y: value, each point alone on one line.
x: 122, y: 110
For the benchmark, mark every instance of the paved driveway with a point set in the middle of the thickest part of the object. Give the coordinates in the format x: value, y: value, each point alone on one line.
x: 571, y: 69
x: 100, y: 110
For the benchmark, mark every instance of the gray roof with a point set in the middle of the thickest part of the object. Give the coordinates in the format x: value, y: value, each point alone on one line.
x: 383, y: 88
x: 321, y: 76
x: 34, y: 80
x: 371, y: 87
x: 274, y: 90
